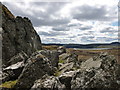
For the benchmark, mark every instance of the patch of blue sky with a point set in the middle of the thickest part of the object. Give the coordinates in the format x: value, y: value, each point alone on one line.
x: 116, y: 23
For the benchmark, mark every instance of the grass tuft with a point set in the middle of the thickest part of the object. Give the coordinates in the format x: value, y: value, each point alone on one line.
x: 9, y: 84
x: 57, y: 73
x: 61, y: 61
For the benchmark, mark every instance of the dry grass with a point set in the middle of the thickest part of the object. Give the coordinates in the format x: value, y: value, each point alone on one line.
x: 9, y: 84
x: 50, y: 47
x: 86, y: 54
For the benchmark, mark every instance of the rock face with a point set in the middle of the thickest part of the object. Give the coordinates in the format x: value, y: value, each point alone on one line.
x: 18, y: 35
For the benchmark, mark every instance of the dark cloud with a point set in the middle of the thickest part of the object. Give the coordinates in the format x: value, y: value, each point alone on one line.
x: 87, y: 12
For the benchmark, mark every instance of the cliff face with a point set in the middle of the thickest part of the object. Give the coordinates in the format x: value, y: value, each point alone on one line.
x: 18, y: 35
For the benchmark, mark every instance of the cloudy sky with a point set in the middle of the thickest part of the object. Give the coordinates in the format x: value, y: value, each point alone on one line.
x: 82, y: 22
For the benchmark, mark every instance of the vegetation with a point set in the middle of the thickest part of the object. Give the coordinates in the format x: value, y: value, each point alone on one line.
x: 61, y: 61
x: 57, y: 73
x: 86, y: 54
x: 9, y: 84
x: 50, y: 47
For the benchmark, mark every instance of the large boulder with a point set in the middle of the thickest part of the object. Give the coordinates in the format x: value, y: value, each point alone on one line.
x: 66, y: 67
x: 36, y: 67
x: 65, y: 78
x: 18, y: 35
x: 52, y: 55
x: 61, y: 50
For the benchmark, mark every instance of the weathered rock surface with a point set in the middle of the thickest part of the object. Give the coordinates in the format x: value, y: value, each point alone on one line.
x: 18, y: 58
x: 61, y: 50
x: 53, y: 56
x: 36, y: 67
x: 18, y: 35
x: 14, y: 67
x: 48, y: 83
x: 101, y: 72
x: 64, y: 56
x: 66, y: 78
x: 12, y: 72
x: 66, y: 67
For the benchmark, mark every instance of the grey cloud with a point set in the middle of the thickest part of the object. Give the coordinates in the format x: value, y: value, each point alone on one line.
x: 85, y: 27
x: 51, y: 33
x: 107, y: 39
x: 61, y: 28
x: 87, y: 39
x: 74, y: 24
x: 72, y: 37
x: 51, y: 40
x: 87, y: 12
x: 108, y: 30
x: 14, y: 9
x: 89, y: 34
x: 45, y: 19
x: 79, y: 34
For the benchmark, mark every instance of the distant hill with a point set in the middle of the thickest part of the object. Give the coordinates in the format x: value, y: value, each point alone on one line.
x: 99, y: 45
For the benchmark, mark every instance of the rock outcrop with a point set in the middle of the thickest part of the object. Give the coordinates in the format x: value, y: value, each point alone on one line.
x: 97, y: 72
x: 50, y: 69
x: 18, y: 36
x: 36, y: 67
